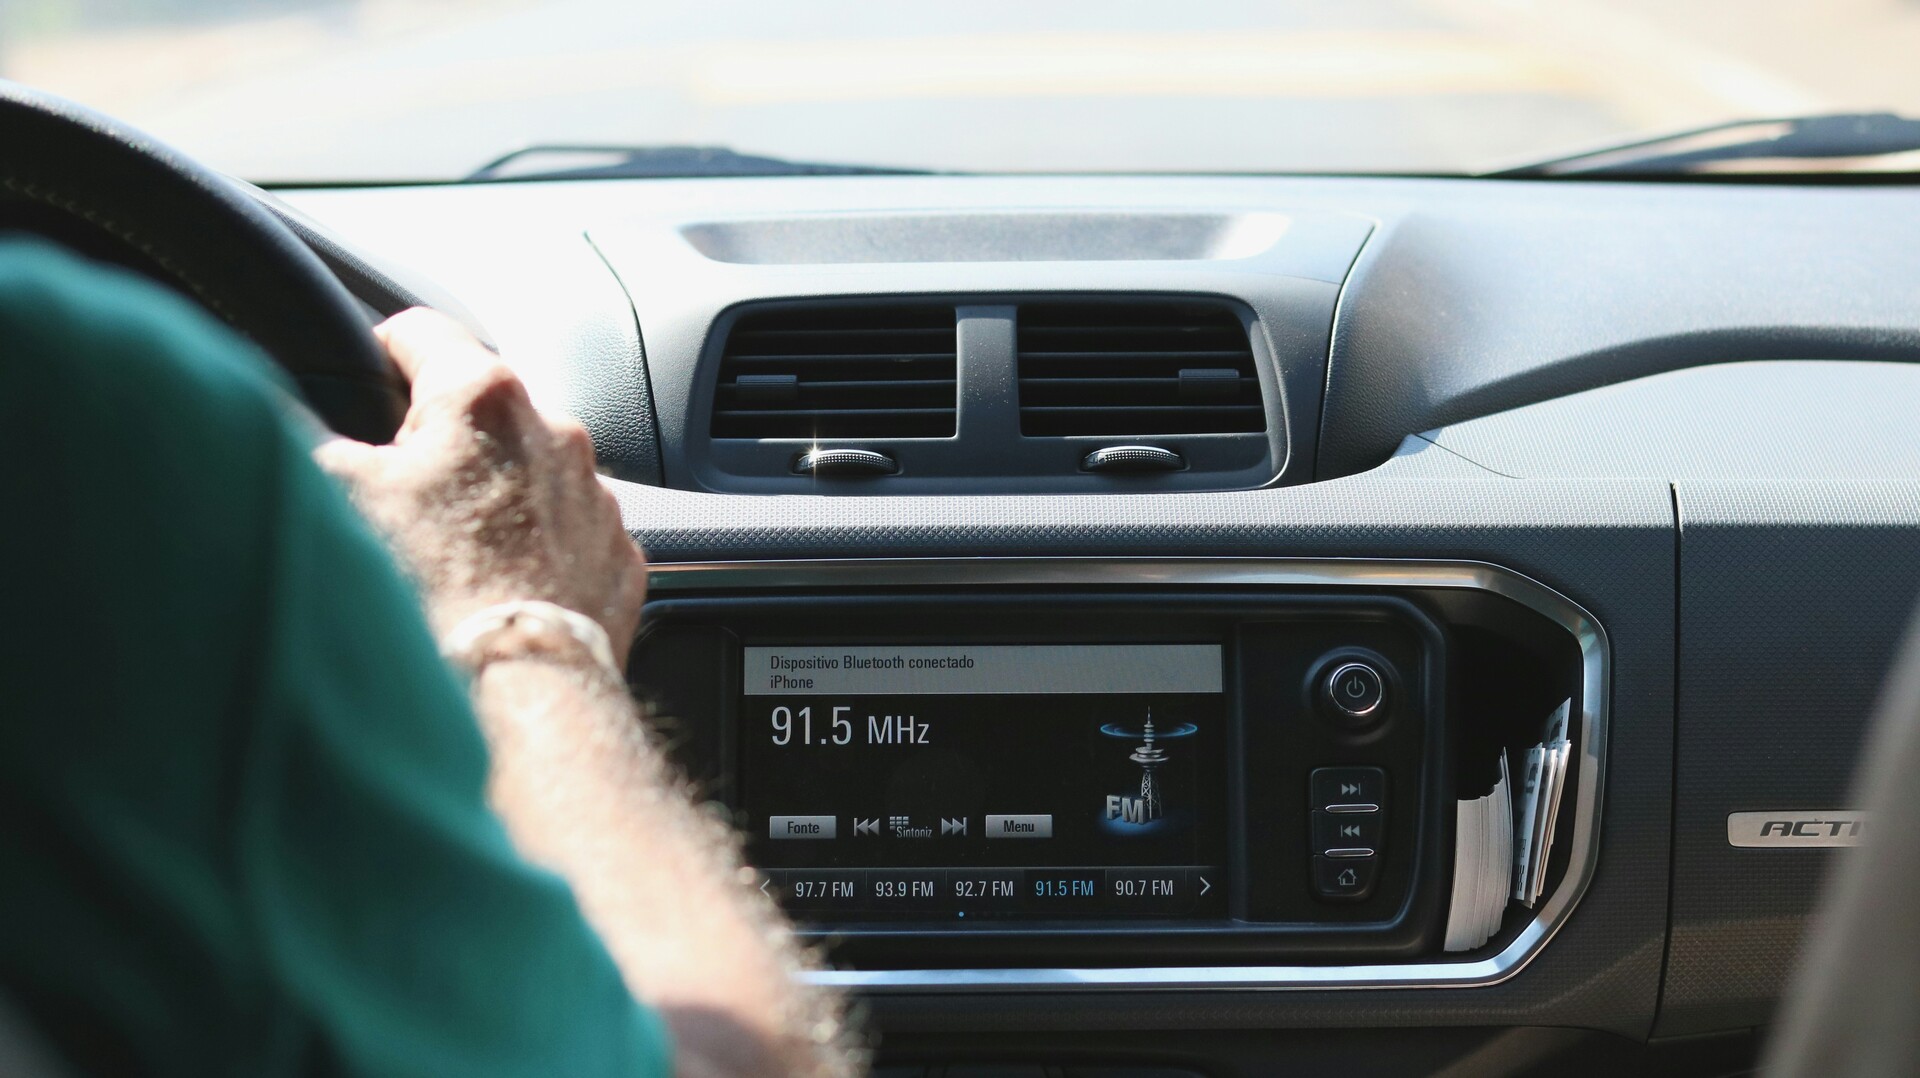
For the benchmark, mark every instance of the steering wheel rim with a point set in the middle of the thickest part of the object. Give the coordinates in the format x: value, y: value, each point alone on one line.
x: 196, y: 232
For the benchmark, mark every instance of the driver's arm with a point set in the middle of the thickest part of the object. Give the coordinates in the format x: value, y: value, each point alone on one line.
x: 488, y: 502
x: 242, y: 816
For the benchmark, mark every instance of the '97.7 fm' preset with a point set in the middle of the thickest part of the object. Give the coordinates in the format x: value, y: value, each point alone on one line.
x: 994, y: 781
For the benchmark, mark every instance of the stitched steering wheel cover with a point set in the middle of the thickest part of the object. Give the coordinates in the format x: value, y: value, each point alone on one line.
x: 192, y: 228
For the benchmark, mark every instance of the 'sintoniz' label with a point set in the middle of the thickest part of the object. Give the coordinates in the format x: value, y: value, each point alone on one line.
x: 1797, y: 828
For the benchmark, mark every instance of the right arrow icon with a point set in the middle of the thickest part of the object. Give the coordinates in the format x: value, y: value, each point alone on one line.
x: 1204, y: 885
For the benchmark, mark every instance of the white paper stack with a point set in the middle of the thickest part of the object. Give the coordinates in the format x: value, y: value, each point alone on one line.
x: 1501, y: 840
x: 1482, y: 865
x: 1541, y: 784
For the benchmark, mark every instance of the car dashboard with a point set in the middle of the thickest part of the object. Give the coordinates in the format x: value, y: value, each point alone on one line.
x: 1187, y: 557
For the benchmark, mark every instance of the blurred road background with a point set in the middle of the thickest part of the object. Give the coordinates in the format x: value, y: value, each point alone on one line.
x: 396, y: 89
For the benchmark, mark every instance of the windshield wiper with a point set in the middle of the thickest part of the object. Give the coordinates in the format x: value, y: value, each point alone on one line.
x: 1871, y: 134
x: 560, y: 161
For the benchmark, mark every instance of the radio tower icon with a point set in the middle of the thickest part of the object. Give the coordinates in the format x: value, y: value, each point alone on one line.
x: 1149, y: 756
x: 1147, y: 807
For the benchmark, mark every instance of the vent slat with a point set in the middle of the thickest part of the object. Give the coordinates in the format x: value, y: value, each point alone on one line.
x: 870, y: 371
x: 749, y: 333
x: 1139, y: 329
x: 855, y: 385
x: 1136, y: 368
x: 864, y: 357
x: 821, y: 413
x: 1168, y: 382
x: 1088, y: 409
x: 936, y: 395
x: 1158, y: 353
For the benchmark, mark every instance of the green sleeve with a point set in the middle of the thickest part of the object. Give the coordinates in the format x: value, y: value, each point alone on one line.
x: 251, y: 834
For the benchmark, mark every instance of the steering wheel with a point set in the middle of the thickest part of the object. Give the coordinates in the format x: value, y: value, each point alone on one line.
x: 100, y: 187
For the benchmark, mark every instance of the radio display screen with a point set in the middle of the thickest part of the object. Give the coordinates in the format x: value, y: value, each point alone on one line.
x: 987, y: 781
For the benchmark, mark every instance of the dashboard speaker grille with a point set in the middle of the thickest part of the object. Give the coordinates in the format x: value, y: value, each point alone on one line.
x: 843, y: 371
x: 1142, y: 367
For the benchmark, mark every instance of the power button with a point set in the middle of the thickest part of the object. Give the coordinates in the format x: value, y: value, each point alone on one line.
x: 1355, y: 690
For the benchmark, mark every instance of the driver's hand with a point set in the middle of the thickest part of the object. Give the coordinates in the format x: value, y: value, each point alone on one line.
x: 485, y: 500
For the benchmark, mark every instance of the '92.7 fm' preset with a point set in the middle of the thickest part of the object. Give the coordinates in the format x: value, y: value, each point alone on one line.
x: 984, y: 782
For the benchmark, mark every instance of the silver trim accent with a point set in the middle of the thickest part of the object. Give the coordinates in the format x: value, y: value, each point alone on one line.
x: 1355, y: 809
x: 1348, y: 851
x: 1133, y: 458
x: 1550, y: 913
x: 1796, y: 829
x: 845, y: 463
x: 1363, y: 712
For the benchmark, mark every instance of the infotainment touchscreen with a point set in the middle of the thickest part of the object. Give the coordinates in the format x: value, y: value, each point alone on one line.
x: 987, y: 781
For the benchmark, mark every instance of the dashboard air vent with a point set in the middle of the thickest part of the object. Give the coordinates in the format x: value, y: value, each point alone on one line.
x: 1140, y: 368
x: 871, y: 371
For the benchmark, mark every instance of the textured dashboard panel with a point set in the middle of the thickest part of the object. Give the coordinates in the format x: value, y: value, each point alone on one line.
x: 1418, y: 458
x: 1457, y: 310
x: 1608, y: 545
x: 545, y: 297
x: 1794, y: 598
x: 601, y: 376
x: 1775, y: 420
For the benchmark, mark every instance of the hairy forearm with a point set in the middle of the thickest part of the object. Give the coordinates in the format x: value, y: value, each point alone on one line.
x: 497, y: 512
x: 585, y: 791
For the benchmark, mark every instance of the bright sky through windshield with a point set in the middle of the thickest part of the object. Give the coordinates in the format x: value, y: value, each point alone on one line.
x: 399, y: 89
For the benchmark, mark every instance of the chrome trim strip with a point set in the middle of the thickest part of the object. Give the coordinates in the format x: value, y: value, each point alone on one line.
x: 1550, y: 913
x: 1796, y: 829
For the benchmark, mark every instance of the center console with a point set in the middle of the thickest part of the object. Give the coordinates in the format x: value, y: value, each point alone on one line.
x: 1115, y: 772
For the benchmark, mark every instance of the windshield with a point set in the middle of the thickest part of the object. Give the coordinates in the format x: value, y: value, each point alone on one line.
x: 368, y: 90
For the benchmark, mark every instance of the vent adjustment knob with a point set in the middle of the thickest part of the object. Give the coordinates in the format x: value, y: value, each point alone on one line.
x: 1133, y: 458
x: 852, y: 463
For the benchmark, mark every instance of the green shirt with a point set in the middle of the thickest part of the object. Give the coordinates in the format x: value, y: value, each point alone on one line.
x: 242, y: 826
